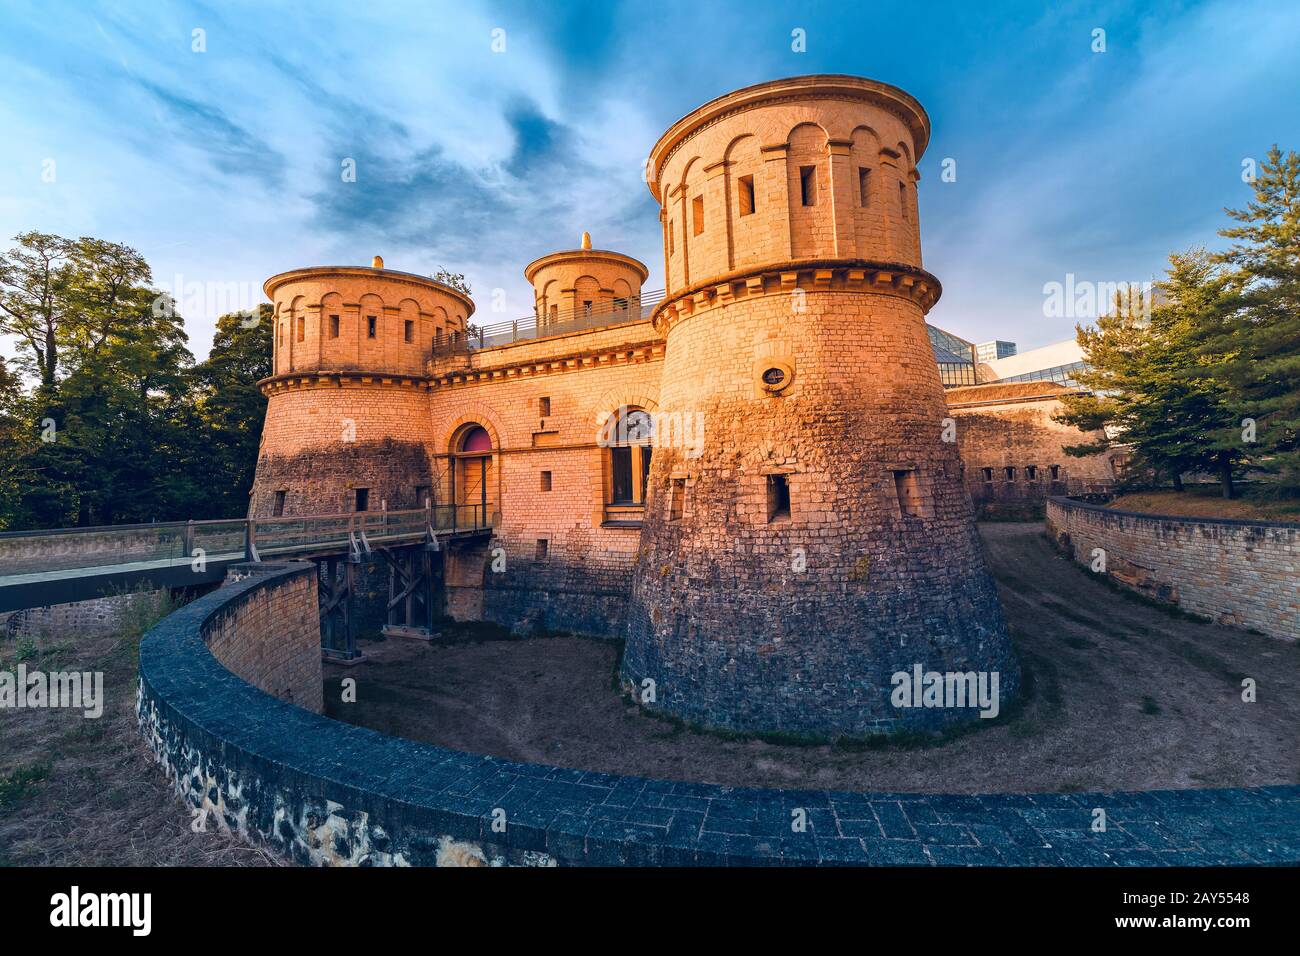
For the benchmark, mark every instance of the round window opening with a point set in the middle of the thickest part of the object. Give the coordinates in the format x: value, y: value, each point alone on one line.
x: 774, y: 377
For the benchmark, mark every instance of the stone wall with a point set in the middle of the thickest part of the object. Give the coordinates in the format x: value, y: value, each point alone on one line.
x: 1243, y: 574
x: 1014, y: 453
x: 271, y: 636
x: 325, y: 793
x: 95, y: 618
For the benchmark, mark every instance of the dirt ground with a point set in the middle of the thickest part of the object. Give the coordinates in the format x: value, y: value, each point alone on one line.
x: 1123, y: 695
x: 84, y: 792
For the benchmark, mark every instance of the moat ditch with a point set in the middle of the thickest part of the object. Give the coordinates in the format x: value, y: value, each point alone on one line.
x: 1121, y: 695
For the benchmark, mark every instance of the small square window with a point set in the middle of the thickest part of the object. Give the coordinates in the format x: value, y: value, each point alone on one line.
x: 746, y: 193
x: 334, y: 326
x: 808, y: 185
x: 778, y: 497
x: 543, y: 549
x: 677, y: 499
x: 908, y: 490
x: 546, y: 481
x: 544, y: 407
x: 408, y: 330
x: 370, y: 326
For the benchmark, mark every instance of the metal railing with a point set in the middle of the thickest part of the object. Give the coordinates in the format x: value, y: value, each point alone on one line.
x: 70, y: 549
x: 638, y: 308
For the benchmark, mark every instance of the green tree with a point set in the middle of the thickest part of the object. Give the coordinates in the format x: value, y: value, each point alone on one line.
x: 232, y: 407
x: 1251, y: 344
x: 1147, y: 390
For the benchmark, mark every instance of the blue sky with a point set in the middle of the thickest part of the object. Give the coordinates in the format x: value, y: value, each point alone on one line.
x: 223, y: 167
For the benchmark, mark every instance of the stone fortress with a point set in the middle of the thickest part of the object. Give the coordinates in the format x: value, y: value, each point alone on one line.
x: 753, y: 480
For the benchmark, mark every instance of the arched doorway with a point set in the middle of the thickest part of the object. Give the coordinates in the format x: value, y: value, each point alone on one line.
x: 472, y: 478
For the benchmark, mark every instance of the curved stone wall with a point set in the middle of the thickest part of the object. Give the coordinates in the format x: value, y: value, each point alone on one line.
x: 1239, y: 573
x: 322, y: 792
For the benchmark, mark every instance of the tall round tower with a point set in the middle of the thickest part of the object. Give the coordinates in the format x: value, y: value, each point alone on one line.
x: 818, y: 541
x: 584, y: 283
x: 348, y: 403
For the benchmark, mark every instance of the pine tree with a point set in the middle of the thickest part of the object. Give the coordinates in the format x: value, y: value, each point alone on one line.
x: 1252, y: 343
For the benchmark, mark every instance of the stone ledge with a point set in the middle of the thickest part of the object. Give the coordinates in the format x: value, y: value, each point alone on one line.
x: 322, y: 792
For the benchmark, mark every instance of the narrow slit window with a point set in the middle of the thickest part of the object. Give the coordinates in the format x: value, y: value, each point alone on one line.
x: 544, y: 406
x: 864, y: 186
x: 546, y: 481
x: 334, y: 326
x: 371, y: 328
x: 302, y: 328
x: 672, y: 245
x: 279, y: 503
x: 746, y: 190
x: 362, y: 499
x: 408, y: 330
x: 908, y: 490
x: 808, y: 185
x: 778, y: 497
x: 543, y: 549
x: 555, y: 313
x: 677, y: 499
x: 697, y: 211
x: 902, y: 201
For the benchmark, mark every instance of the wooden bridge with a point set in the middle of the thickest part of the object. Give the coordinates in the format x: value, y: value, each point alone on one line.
x: 42, y: 568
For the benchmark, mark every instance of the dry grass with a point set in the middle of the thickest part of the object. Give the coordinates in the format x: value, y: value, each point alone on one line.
x: 85, y: 792
x: 1208, y: 502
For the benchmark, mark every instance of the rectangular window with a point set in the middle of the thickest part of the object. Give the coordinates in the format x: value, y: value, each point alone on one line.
x: 808, y: 185
x: 362, y: 499
x: 546, y: 481
x: 544, y: 406
x: 409, y: 330
x: 1010, y: 472
x: 281, y: 333
x: 1056, y: 472
x: 422, y: 496
x: 902, y: 201
x: 778, y: 497
x: 620, y: 465
x: 586, y: 308
x: 302, y: 328
x: 988, y: 473
x: 746, y: 186
x: 909, y: 492
x: 334, y: 326
x: 864, y: 186
x: 697, y: 210
x: 370, y: 326
x: 1031, y: 472
x: 279, y: 503
x: 677, y: 499
x: 543, y: 549
x: 555, y: 313
x: 672, y: 246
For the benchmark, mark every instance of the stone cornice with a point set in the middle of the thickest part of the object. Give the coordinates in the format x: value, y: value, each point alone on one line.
x: 580, y: 255
x: 339, y: 378
x: 392, y: 275
x: 649, y: 350
x: 824, y: 275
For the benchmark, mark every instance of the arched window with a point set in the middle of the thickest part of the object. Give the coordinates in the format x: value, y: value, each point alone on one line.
x: 628, y: 438
x: 473, y: 479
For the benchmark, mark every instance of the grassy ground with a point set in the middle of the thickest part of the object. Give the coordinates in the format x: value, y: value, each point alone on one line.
x: 1123, y: 696
x: 1207, y: 501
x: 76, y: 791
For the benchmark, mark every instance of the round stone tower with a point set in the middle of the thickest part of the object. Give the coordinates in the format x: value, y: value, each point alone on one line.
x: 347, y: 413
x: 584, y: 283
x: 817, y: 540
